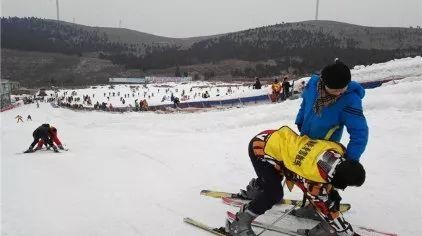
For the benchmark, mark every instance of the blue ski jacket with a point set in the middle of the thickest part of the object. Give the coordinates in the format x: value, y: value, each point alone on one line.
x: 346, y: 111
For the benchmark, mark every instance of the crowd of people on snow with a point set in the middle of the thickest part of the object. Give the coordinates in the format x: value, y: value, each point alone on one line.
x: 139, y: 97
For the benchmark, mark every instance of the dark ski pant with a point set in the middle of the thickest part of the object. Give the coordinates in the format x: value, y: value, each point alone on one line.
x: 45, y: 139
x: 270, y: 180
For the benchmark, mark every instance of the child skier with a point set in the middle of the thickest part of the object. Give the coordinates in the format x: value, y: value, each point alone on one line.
x: 317, y: 167
x: 52, y: 133
x: 18, y: 118
x: 42, y: 133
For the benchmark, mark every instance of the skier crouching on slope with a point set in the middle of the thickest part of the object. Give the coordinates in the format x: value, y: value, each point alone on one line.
x: 42, y: 133
x: 317, y: 167
x: 53, y: 136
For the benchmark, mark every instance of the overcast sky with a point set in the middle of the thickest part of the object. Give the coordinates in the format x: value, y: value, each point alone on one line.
x: 186, y: 18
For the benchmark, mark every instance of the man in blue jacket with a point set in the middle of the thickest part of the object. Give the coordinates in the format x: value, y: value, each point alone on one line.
x: 330, y: 102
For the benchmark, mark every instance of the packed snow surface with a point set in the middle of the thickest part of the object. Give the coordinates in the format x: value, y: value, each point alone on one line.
x: 141, y: 173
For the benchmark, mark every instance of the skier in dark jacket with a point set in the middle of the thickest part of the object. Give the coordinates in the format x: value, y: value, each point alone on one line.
x: 257, y: 84
x: 42, y: 133
x: 286, y: 88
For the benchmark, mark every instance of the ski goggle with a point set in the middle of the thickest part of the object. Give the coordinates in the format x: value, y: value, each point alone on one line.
x: 328, y: 161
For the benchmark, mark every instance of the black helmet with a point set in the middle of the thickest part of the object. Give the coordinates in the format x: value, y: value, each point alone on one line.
x: 348, y: 173
x: 336, y: 76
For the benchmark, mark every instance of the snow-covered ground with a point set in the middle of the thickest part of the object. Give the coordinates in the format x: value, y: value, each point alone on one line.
x: 141, y: 173
x: 390, y: 70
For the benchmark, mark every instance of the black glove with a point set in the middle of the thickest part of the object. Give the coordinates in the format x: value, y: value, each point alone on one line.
x: 334, y: 200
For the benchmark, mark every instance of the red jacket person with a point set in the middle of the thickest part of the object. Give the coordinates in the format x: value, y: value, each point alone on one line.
x: 54, y: 138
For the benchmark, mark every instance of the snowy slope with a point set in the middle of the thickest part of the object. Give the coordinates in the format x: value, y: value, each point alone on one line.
x: 390, y: 70
x: 141, y: 173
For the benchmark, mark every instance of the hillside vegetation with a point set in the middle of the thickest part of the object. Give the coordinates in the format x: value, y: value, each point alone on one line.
x: 296, y: 48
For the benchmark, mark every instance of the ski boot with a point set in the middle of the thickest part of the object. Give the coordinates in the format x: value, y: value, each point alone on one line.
x: 29, y: 150
x: 242, y: 225
x: 252, y: 190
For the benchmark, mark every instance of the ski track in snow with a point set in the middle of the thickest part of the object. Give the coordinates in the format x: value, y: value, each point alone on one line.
x: 141, y: 173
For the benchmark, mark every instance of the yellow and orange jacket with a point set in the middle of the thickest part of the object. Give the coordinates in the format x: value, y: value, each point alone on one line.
x: 297, y: 158
x: 276, y: 87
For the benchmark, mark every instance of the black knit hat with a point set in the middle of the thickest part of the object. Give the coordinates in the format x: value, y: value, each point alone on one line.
x: 336, y: 76
x: 348, y: 173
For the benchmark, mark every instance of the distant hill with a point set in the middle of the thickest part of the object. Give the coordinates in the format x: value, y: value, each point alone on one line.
x: 296, y: 48
x: 121, y: 35
x: 292, y: 47
x: 37, y: 69
x: 35, y: 34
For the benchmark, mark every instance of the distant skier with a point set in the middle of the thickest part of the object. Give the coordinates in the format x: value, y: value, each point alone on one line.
x: 143, y: 105
x: 42, y: 133
x: 257, y: 84
x: 302, y: 86
x: 286, y: 88
x: 18, y: 118
x: 29, y: 118
x: 317, y: 167
x: 176, y: 102
x: 276, y: 89
x: 330, y: 102
x: 52, y: 133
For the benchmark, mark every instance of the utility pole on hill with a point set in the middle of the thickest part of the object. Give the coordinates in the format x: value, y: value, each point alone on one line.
x: 57, y: 10
x: 316, y: 12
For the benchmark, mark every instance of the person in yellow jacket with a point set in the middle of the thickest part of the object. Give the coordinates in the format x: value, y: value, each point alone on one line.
x: 317, y: 167
x: 276, y: 89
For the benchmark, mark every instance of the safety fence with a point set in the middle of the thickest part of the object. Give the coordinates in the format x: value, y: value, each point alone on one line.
x: 9, y: 107
x: 235, y: 102
x: 215, y: 103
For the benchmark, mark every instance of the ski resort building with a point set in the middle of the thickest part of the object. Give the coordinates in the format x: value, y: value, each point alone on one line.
x: 6, y: 89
